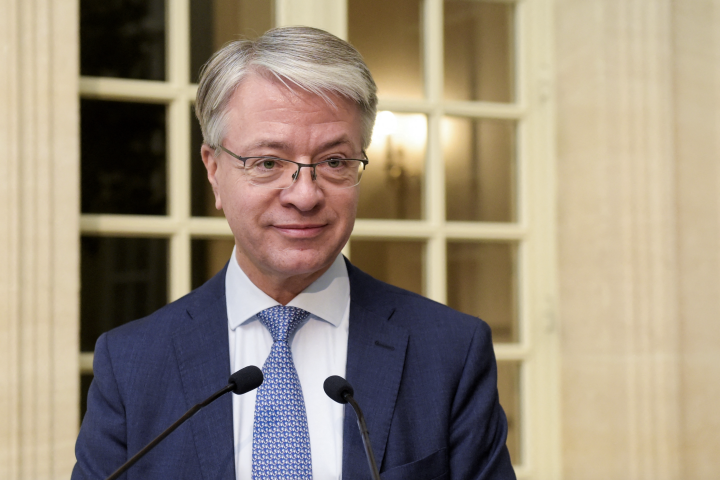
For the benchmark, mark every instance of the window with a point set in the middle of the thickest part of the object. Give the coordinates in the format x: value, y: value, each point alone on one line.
x: 456, y: 203
x: 147, y: 231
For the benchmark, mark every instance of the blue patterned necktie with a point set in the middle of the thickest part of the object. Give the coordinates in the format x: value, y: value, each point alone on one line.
x: 281, y: 443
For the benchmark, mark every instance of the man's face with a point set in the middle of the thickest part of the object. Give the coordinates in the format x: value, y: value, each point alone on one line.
x: 295, y: 233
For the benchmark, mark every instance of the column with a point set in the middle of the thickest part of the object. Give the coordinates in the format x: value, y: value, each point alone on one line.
x: 696, y: 47
x: 618, y: 240
x: 39, y: 212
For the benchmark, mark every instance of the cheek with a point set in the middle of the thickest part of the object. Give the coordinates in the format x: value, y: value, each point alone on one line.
x: 245, y: 210
x: 230, y: 191
x: 345, y: 209
x: 351, y: 203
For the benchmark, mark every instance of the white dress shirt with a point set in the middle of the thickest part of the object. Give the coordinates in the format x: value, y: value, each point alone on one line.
x: 319, y: 349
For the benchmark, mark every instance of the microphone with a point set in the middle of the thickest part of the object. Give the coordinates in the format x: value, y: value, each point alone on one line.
x: 240, y: 382
x: 340, y: 390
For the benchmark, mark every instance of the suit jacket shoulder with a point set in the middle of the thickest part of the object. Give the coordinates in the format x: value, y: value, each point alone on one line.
x: 148, y: 373
x: 426, y: 378
x: 377, y: 295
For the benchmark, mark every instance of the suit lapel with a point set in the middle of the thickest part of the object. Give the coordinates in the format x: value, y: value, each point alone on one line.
x: 375, y: 361
x: 203, y: 357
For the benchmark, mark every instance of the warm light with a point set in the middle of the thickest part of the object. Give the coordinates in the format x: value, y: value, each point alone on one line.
x: 385, y: 123
x: 404, y: 149
x: 412, y: 132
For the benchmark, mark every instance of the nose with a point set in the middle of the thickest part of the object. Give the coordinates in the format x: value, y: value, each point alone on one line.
x: 304, y: 194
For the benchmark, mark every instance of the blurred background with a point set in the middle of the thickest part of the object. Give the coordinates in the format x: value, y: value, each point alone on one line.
x: 550, y: 166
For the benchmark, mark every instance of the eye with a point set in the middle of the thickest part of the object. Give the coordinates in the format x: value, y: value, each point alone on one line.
x: 334, y: 162
x: 268, y: 164
x: 265, y: 163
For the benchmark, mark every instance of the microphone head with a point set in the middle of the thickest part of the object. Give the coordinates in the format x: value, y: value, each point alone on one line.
x: 246, y: 379
x: 338, y: 388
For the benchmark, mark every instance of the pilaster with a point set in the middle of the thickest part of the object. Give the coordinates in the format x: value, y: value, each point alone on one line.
x: 617, y: 240
x: 39, y: 213
x: 697, y: 106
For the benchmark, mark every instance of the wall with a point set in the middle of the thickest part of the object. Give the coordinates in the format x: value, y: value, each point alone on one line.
x: 637, y: 96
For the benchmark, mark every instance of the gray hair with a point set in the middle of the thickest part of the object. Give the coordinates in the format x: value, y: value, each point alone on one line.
x: 312, y: 59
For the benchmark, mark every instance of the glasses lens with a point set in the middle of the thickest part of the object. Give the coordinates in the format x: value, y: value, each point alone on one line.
x: 270, y: 172
x: 340, y: 173
x: 273, y: 172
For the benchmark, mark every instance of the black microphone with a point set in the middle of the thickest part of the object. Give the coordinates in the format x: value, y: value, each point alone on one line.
x: 242, y: 381
x: 340, y: 390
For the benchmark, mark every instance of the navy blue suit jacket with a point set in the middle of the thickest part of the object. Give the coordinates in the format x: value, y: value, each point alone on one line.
x: 424, y: 374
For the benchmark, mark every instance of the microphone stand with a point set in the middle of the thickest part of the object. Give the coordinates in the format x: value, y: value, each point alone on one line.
x: 340, y: 391
x: 365, y: 436
x: 240, y: 382
x: 168, y: 431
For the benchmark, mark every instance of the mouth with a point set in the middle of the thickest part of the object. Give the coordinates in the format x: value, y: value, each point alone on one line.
x: 300, y: 230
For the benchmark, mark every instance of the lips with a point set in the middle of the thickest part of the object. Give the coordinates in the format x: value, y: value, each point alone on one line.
x: 300, y: 230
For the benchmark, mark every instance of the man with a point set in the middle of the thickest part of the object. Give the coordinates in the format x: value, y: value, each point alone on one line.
x: 285, y: 122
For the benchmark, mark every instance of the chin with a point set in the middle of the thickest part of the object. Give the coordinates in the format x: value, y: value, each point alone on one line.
x: 305, y: 262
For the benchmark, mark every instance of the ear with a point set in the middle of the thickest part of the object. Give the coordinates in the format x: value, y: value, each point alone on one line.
x: 211, y: 165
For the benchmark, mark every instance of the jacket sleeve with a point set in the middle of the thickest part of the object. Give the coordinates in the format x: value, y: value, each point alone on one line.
x: 102, y: 443
x: 478, y: 428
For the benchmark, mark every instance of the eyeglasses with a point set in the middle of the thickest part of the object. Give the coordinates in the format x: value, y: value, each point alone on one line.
x: 273, y: 172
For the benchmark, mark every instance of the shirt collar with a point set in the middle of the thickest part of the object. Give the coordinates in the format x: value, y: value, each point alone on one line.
x: 326, y: 298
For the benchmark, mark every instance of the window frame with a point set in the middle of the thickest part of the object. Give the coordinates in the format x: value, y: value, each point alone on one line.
x: 537, y: 348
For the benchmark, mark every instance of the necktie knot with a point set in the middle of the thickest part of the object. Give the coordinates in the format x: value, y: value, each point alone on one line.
x: 281, y: 321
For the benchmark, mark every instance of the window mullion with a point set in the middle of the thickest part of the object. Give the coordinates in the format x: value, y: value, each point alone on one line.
x: 434, y: 195
x: 178, y: 41
x: 178, y: 54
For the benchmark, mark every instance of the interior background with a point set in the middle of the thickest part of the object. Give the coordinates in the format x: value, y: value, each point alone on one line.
x: 627, y: 93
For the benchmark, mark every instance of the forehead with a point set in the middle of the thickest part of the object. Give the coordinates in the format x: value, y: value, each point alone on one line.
x: 263, y: 108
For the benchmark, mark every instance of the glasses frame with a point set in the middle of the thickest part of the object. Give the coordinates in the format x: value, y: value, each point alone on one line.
x: 295, y: 175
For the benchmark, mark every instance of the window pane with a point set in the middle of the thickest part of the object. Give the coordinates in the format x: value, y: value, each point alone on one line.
x: 123, y: 38
x: 482, y: 281
x: 479, y: 169
x: 509, y: 391
x: 202, y: 198
x: 122, y: 279
x: 388, y: 34
x: 479, y: 51
x: 393, y: 181
x: 123, y: 157
x: 213, y: 23
x: 209, y: 256
x: 400, y: 263
x: 85, y: 380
